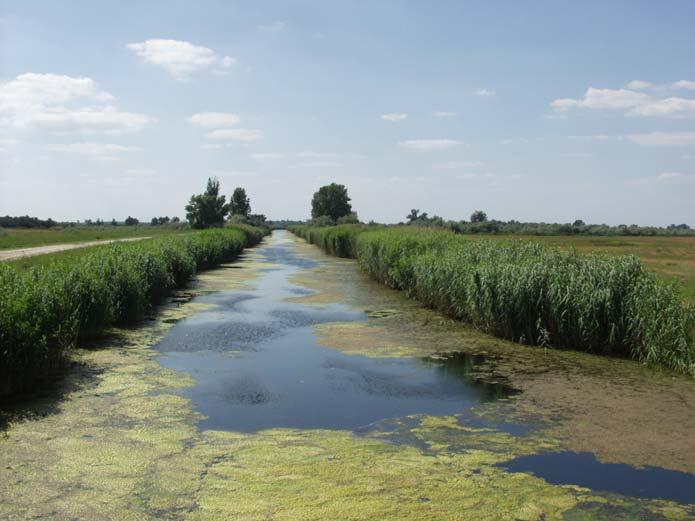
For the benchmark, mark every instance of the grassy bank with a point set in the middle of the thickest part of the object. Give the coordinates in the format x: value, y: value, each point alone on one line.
x: 527, y: 292
x: 47, y: 309
x: 13, y: 238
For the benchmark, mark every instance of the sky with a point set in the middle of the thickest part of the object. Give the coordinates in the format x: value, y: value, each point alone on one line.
x: 535, y: 111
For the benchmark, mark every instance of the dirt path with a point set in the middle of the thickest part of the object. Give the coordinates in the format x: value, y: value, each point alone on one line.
x: 20, y: 253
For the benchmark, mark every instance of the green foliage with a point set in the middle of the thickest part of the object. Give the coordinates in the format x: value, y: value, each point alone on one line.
x: 207, y: 209
x: 239, y: 204
x: 331, y: 200
x: 478, y: 216
x: 527, y: 292
x: 45, y: 310
x: 129, y: 221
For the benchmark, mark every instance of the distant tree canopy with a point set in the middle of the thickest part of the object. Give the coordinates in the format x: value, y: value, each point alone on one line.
x: 131, y: 221
x: 209, y: 208
x: 239, y: 204
x: 478, y: 216
x: 331, y: 201
x: 156, y: 221
x: 25, y: 222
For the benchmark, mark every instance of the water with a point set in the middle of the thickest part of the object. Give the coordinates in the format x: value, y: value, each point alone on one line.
x: 583, y: 469
x: 258, y: 366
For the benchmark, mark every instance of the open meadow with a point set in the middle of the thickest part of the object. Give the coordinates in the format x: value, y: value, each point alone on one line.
x: 14, y: 238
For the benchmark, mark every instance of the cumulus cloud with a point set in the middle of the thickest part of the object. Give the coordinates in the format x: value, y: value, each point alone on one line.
x: 484, y: 92
x: 670, y: 176
x: 429, y: 144
x: 639, y: 84
x: 603, y: 99
x: 667, y: 108
x: 62, y: 103
x: 236, y: 134
x: 94, y: 150
x: 396, y: 116
x: 684, y: 84
x: 180, y: 58
x: 663, y: 138
x: 214, y: 119
x: 632, y: 102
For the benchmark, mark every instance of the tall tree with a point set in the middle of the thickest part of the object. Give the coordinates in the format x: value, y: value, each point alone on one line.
x: 478, y: 216
x: 331, y: 201
x: 239, y: 204
x: 209, y: 208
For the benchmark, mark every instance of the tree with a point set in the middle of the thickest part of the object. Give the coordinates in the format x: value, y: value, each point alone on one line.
x: 578, y: 223
x: 209, y: 208
x: 239, y: 204
x: 114, y: 222
x: 331, y: 201
x: 413, y: 216
x: 478, y: 217
x: 131, y: 221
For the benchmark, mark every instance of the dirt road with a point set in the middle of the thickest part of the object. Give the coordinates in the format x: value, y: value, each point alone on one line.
x: 20, y: 253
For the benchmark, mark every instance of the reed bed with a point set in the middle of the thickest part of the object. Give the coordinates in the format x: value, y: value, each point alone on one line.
x: 528, y: 293
x: 46, y: 310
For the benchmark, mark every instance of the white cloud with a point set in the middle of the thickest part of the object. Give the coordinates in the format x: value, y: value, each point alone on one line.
x: 63, y: 104
x: 603, y: 99
x: 670, y: 176
x: 396, y: 116
x: 639, y: 85
x: 428, y: 144
x: 274, y: 27
x: 262, y: 156
x: 95, y: 150
x: 684, y: 84
x: 310, y: 154
x: 456, y: 165
x: 8, y: 142
x: 214, y: 119
x: 236, y: 134
x: 443, y: 114
x: 663, y: 138
x: 180, y: 58
x: 667, y: 108
x: 211, y: 146
x: 322, y: 164
x: 632, y: 102
x: 484, y: 92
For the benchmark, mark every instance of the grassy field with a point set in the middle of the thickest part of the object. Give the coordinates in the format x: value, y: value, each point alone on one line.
x: 13, y: 238
x: 670, y: 258
x: 531, y: 292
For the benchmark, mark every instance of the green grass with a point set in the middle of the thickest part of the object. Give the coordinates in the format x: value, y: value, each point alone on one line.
x: 47, y: 308
x: 529, y: 292
x: 670, y: 258
x: 13, y: 238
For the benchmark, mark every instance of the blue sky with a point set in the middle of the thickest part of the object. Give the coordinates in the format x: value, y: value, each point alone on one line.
x: 541, y: 111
